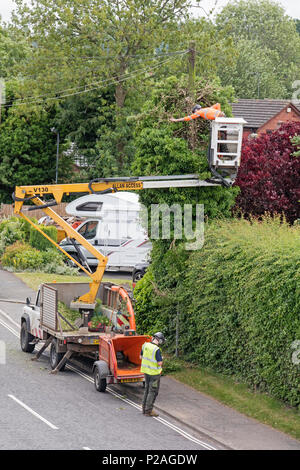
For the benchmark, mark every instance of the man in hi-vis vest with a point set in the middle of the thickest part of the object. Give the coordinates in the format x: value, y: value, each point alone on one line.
x: 210, y: 113
x: 152, y: 368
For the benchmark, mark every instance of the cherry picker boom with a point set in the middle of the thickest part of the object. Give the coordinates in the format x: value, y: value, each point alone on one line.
x: 224, y: 159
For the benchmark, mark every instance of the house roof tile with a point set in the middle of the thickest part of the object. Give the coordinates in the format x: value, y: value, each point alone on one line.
x: 258, y: 112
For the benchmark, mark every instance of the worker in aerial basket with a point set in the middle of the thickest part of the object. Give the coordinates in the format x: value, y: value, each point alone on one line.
x: 210, y: 113
x: 152, y: 368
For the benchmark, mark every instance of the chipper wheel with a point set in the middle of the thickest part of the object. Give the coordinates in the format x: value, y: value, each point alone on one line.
x: 100, y: 373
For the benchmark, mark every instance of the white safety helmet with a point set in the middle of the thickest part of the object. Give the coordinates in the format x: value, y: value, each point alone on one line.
x: 196, y: 107
x: 160, y: 337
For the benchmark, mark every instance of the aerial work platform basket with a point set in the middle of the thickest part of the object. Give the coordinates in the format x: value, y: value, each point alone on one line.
x: 225, y: 146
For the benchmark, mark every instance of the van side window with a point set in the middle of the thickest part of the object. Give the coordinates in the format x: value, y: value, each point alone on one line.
x: 89, y: 207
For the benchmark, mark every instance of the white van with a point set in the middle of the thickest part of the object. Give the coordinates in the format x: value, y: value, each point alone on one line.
x: 113, y: 227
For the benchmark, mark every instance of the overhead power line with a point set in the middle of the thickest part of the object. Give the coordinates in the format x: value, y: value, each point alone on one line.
x: 91, y: 58
x: 152, y: 56
x: 87, y: 88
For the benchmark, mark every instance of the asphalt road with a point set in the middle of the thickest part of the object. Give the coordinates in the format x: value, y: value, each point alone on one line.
x: 64, y: 411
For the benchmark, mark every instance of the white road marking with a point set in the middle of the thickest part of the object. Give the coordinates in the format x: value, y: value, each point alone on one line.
x: 86, y: 448
x: 9, y: 318
x: 126, y: 400
x: 161, y: 420
x: 9, y: 328
x: 34, y: 413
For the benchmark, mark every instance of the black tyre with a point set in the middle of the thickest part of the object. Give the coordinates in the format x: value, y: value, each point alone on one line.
x: 100, y: 383
x: 25, y: 339
x: 137, y: 276
x: 70, y: 263
x: 55, y: 357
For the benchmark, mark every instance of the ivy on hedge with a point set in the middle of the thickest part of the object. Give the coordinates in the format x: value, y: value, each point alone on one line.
x: 239, y: 305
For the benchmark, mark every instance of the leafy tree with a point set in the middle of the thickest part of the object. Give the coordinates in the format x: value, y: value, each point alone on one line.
x: 213, y: 48
x: 262, y: 20
x: 83, y: 121
x: 296, y: 142
x: 162, y: 148
x: 96, y: 51
x: 270, y: 173
x: 259, y: 78
x: 88, y: 125
x: 274, y: 38
x: 28, y: 151
x: 13, y: 49
x: 88, y: 43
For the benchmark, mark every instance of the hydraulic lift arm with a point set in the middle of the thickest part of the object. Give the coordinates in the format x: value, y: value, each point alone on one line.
x: 36, y: 192
x: 219, y: 160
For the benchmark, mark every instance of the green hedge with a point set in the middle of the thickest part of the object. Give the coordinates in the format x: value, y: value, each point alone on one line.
x: 22, y: 257
x: 38, y: 241
x: 239, y: 304
x: 13, y: 229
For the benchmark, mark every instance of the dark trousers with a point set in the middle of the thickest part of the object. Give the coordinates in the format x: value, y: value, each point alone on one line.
x: 151, y: 391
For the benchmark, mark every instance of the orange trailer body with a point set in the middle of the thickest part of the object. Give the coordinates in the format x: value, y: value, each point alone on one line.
x: 129, y: 369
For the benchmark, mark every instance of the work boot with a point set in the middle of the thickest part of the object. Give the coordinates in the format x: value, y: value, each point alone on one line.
x: 143, y: 410
x: 151, y: 413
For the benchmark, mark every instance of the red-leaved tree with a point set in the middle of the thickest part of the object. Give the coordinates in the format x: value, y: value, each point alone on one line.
x: 269, y: 176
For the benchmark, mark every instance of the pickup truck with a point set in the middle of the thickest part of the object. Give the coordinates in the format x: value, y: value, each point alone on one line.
x: 115, y: 352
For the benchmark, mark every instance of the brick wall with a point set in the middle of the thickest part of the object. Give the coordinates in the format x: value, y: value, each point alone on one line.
x: 247, y: 132
x: 277, y: 120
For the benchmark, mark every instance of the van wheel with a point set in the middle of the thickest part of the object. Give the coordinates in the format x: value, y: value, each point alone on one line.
x: 100, y: 384
x: 25, y: 339
x: 137, y: 276
x: 70, y: 263
x: 55, y: 357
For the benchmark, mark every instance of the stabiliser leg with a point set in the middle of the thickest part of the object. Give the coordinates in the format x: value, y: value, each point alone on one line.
x: 62, y: 362
x: 43, y: 348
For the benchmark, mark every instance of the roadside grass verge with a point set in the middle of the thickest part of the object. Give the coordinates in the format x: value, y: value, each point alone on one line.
x: 33, y: 280
x: 238, y: 396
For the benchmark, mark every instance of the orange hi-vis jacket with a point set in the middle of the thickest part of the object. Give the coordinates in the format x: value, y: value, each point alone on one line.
x: 207, y: 113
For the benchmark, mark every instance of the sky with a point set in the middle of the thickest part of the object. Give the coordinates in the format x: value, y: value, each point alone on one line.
x: 292, y: 7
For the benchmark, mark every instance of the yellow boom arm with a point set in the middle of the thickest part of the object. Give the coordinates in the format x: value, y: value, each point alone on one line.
x: 33, y: 193
x: 217, y: 162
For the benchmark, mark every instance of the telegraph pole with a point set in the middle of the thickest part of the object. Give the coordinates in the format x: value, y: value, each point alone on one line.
x: 191, y: 70
x: 55, y: 131
x: 191, y: 65
x: 2, y: 96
